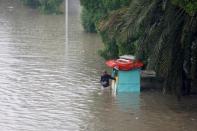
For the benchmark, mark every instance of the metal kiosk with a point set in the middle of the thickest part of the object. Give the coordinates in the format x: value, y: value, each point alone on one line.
x: 126, y: 80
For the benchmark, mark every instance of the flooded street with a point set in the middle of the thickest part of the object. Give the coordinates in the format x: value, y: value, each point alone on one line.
x: 47, y: 84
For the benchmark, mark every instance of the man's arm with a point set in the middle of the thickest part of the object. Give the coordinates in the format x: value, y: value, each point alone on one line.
x: 111, y: 77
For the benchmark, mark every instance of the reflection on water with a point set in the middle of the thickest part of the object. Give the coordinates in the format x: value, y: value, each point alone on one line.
x: 128, y: 101
x: 47, y: 85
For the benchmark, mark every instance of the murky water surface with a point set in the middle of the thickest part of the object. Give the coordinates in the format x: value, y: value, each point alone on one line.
x: 46, y: 84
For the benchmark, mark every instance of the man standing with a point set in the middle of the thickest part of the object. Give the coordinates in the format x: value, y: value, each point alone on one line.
x: 105, y: 79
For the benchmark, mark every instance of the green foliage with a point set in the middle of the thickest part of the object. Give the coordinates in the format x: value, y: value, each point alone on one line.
x: 94, y: 10
x: 46, y: 6
x: 110, y: 51
x: 126, y: 26
x: 110, y: 5
x: 32, y: 3
x: 88, y: 21
x: 50, y: 6
x: 190, y: 6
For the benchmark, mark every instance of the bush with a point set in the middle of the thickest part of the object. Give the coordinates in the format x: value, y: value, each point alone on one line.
x: 32, y: 3
x: 46, y: 6
x: 96, y: 9
x: 190, y: 6
x: 89, y: 20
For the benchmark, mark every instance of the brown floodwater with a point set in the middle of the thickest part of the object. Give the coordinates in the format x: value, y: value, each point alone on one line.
x: 47, y: 84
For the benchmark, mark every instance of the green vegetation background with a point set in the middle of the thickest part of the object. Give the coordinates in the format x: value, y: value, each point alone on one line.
x: 162, y: 33
x: 45, y: 6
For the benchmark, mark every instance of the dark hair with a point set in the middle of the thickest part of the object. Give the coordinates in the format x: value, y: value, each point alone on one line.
x: 104, y: 71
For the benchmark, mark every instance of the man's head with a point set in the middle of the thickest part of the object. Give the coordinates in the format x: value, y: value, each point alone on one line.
x: 104, y: 72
